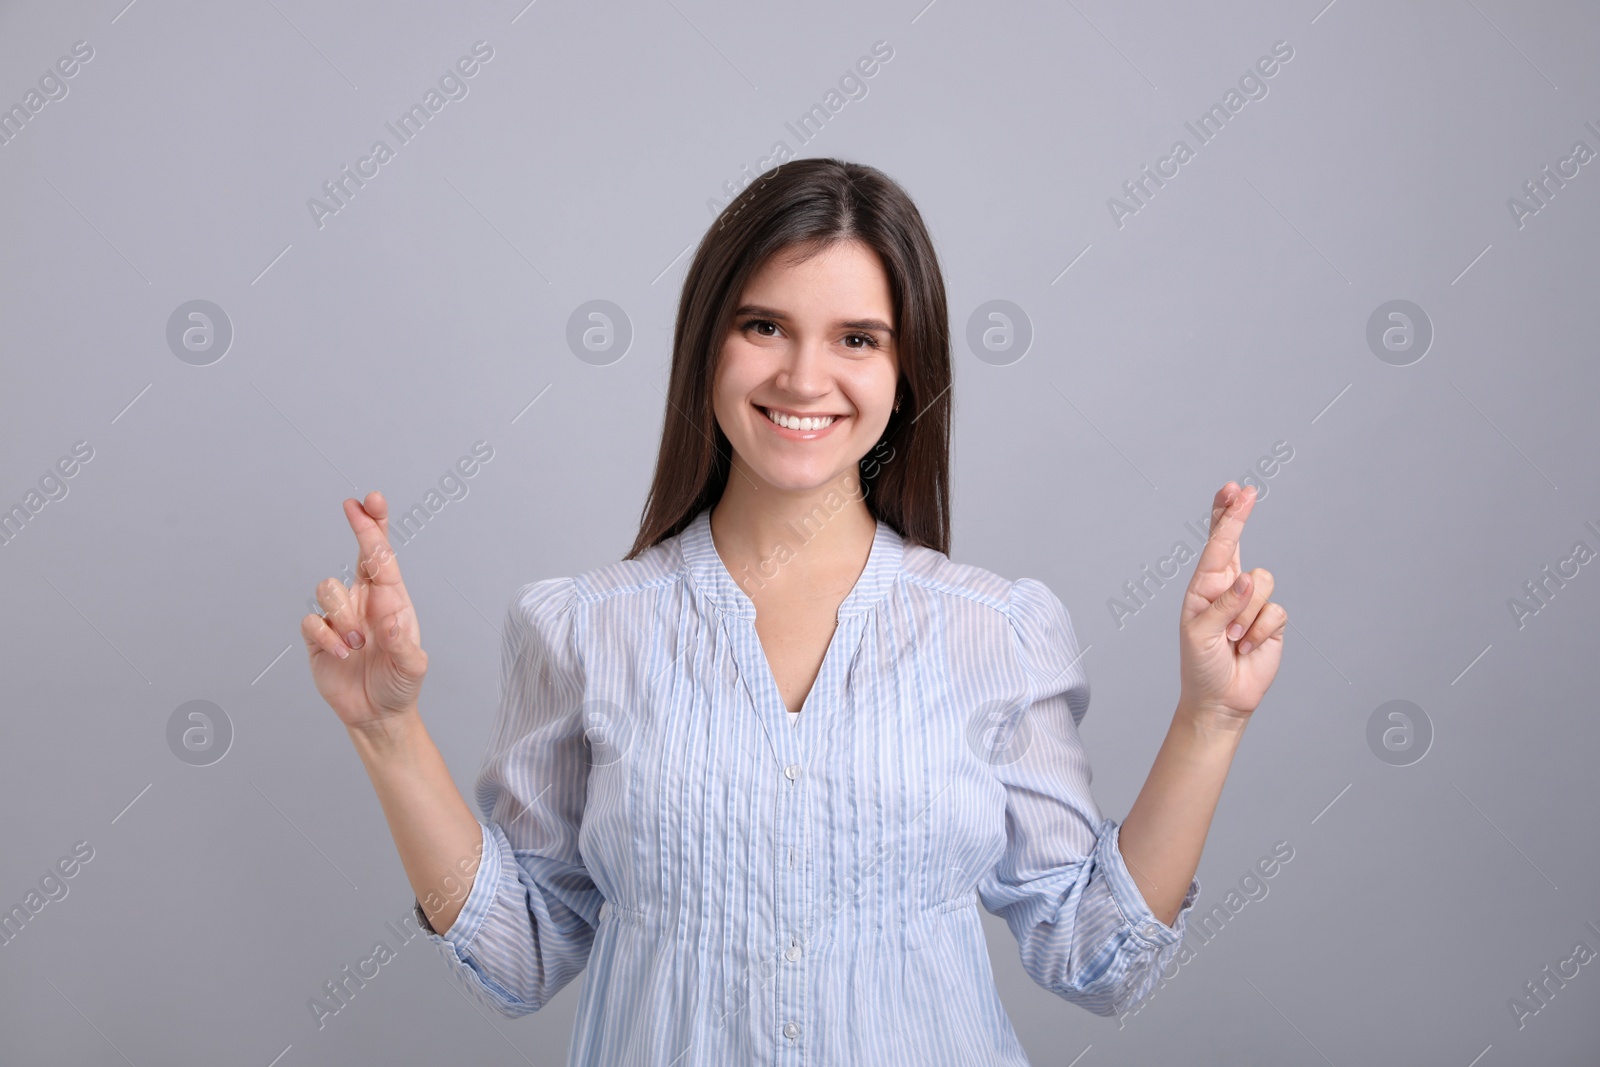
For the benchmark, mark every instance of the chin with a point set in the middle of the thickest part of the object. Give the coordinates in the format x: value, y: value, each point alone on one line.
x: 795, y: 477
x: 792, y: 481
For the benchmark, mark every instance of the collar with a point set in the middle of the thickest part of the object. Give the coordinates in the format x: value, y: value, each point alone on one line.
x: 710, y: 575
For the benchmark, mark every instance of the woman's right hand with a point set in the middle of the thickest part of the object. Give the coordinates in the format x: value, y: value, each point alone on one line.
x: 366, y: 652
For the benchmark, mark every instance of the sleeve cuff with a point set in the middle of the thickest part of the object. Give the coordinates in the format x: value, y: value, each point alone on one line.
x: 1130, y: 902
x: 491, y: 871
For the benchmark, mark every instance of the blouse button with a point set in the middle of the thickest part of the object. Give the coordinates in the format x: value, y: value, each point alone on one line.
x: 792, y: 771
x: 792, y: 953
x: 791, y: 1030
x: 1150, y: 930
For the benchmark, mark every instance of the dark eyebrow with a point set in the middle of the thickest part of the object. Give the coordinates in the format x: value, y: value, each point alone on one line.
x: 850, y: 324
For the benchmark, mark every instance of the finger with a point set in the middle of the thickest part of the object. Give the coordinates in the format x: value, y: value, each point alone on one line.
x: 1222, y: 546
x: 378, y: 507
x: 396, y: 634
x: 376, y: 563
x: 340, y: 614
x: 1260, y: 592
x: 1214, y: 620
x: 1269, y: 624
x: 1220, y: 502
x: 1219, y: 507
x: 319, y: 638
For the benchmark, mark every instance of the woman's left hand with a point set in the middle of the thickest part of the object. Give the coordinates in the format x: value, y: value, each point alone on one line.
x: 1230, y: 639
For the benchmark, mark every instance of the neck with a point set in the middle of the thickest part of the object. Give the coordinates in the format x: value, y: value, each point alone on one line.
x: 770, y: 536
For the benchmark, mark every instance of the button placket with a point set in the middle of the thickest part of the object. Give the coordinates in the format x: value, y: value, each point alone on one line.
x: 791, y: 983
x: 793, y: 749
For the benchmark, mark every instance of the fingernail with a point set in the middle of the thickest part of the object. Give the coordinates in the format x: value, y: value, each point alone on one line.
x: 1246, y: 647
x: 1235, y: 632
x: 355, y: 639
x: 341, y: 651
x: 1240, y: 584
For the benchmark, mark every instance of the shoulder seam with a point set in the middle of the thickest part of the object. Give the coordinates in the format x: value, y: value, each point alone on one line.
x: 1018, y: 645
x: 1021, y: 646
x: 587, y: 594
x: 955, y: 590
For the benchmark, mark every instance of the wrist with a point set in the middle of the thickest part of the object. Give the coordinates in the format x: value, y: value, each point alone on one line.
x: 1210, y: 724
x: 393, y: 735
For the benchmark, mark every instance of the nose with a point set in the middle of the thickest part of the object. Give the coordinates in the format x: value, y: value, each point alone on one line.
x: 803, y: 370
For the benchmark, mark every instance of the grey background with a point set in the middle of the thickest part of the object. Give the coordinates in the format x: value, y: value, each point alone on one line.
x: 1228, y: 314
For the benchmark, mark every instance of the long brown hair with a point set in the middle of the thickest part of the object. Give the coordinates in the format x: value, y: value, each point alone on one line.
x: 802, y: 207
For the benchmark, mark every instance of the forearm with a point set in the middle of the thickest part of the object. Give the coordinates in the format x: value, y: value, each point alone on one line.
x: 437, y: 835
x: 1165, y: 831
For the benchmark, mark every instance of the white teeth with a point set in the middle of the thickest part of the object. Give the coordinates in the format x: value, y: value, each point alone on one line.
x: 791, y: 423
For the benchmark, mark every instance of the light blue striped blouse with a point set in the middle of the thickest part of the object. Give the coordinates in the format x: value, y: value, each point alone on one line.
x: 749, y: 891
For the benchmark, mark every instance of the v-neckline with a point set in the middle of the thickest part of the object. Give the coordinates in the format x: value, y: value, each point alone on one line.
x: 775, y: 691
x: 713, y: 579
x: 711, y: 576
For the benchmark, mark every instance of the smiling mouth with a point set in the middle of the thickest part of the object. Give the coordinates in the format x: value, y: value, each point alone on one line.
x: 801, y: 423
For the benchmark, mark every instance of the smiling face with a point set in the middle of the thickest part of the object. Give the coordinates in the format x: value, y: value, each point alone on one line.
x: 809, y: 340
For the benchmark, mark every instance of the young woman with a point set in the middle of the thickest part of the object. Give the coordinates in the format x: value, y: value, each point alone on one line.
x: 758, y: 774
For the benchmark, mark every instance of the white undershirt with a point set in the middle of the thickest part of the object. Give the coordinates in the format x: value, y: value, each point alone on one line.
x: 794, y: 718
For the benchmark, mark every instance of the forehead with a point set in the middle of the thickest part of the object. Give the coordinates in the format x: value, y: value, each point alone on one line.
x: 845, y: 279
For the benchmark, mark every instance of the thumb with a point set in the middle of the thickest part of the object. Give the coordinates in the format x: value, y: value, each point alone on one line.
x: 1227, y: 607
x: 393, y: 635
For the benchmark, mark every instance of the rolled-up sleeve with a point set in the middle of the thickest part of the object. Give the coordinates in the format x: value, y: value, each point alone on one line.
x: 1083, y: 929
x: 528, y: 922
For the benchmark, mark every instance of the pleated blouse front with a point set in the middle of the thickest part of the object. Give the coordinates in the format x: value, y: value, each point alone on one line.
x: 747, y: 889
